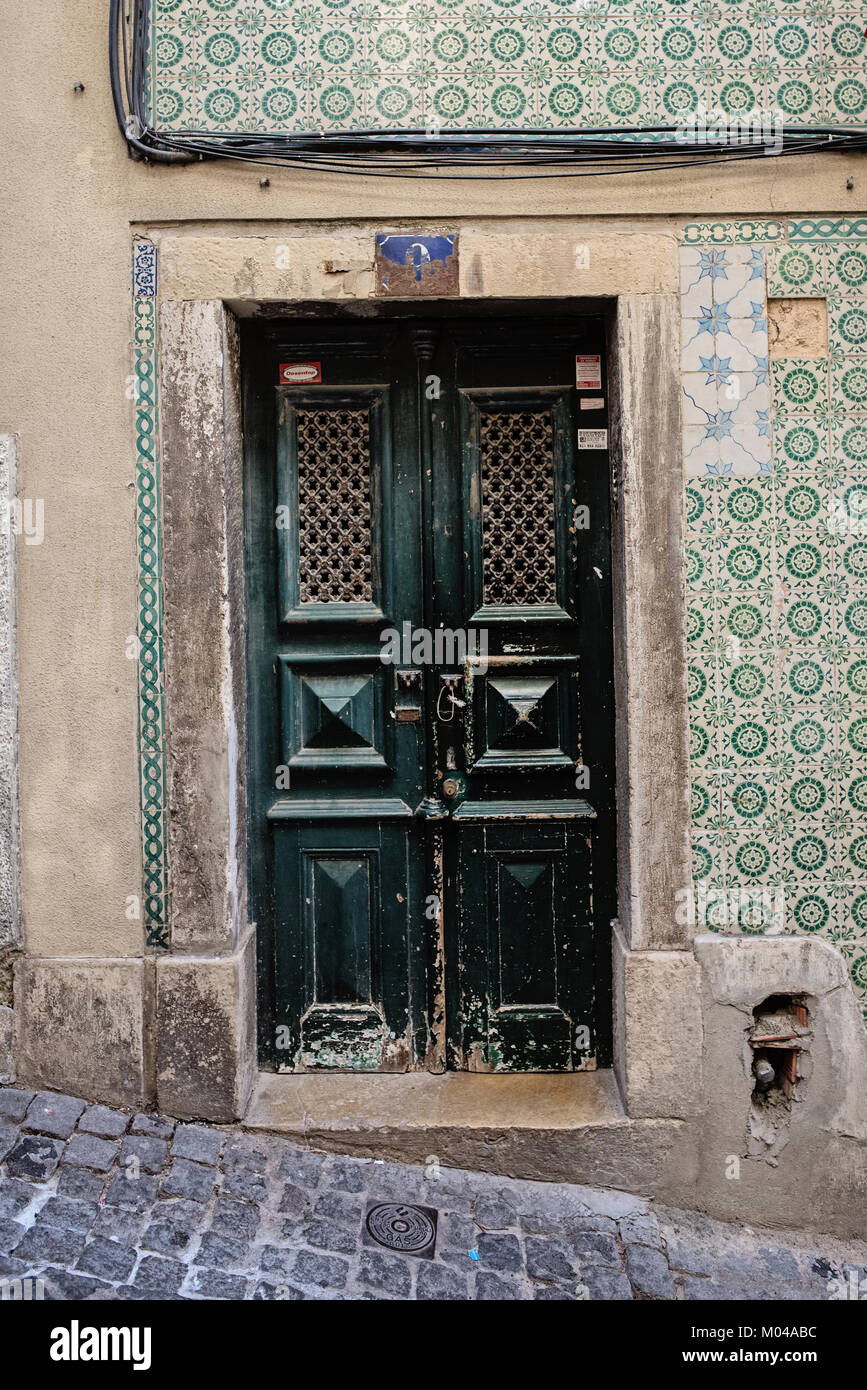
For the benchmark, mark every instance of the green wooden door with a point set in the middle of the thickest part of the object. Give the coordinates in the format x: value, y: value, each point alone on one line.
x: 431, y: 824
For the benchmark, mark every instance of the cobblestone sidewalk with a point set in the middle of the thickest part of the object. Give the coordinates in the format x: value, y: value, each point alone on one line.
x: 100, y: 1204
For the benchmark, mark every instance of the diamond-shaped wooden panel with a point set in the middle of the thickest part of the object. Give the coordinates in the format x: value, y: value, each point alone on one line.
x: 333, y: 719
x: 522, y: 713
x: 338, y: 711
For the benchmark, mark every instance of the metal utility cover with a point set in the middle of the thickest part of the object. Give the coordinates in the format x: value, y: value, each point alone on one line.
x: 399, y: 1226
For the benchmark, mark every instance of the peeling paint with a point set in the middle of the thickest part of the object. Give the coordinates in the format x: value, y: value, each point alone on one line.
x: 435, y: 1058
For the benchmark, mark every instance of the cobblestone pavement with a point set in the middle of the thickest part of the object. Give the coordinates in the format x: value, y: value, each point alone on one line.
x: 101, y: 1204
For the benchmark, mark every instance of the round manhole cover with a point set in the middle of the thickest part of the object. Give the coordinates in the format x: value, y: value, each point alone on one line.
x: 399, y: 1227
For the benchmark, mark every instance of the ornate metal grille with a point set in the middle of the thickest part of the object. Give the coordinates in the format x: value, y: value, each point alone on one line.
x: 334, y: 506
x: 518, y: 564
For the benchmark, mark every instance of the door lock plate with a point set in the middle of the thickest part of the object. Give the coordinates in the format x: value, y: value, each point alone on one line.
x: 454, y: 788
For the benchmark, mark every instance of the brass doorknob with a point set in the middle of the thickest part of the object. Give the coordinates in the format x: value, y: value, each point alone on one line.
x: 451, y: 787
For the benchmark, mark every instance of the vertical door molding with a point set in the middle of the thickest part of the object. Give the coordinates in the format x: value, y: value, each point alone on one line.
x: 10, y: 915
x: 657, y: 1008
x: 203, y: 625
x: 206, y: 984
x: 650, y: 646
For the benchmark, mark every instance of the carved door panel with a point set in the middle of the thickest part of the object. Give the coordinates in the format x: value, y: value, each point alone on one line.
x: 335, y: 740
x: 530, y: 845
x: 429, y: 660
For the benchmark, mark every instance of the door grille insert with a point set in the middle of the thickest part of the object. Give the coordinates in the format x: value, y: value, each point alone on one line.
x: 517, y: 450
x: 334, y: 506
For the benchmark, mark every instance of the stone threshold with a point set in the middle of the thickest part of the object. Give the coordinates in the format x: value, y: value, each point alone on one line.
x: 557, y: 1128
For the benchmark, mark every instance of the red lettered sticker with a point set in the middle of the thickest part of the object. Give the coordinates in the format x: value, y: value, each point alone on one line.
x: 588, y: 372
x: 300, y: 373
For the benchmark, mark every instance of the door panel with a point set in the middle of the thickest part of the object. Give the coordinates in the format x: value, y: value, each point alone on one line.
x: 521, y: 891
x: 341, y: 938
x: 524, y: 918
x: 429, y: 876
x: 522, y: 714
x: 334, y: 713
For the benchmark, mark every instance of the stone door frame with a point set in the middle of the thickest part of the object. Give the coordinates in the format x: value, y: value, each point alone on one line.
x: 203, y: 1000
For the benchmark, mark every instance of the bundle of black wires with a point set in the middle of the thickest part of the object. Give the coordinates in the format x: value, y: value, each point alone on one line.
x: 408, y: 154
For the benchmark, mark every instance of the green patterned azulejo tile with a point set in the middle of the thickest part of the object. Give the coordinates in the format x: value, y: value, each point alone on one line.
x: 270, y: 66
x: 745, y: 622
x: 800, y: 386
x: 849, y: 384
x: 776, y: 571
x: 797, y: 271
x: 847, y: 326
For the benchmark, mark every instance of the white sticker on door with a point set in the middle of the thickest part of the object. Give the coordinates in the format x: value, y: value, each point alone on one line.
x: 592, y: 439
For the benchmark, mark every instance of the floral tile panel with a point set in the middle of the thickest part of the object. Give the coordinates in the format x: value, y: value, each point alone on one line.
x: 775, y: 461
x: 325, y: 65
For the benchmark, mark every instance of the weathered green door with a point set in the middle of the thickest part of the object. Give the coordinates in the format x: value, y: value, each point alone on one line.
x: 431, y: 823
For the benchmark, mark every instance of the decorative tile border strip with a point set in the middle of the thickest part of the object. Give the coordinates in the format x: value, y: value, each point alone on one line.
x: 829, y: 229
x: 731, y: 233
x: 152, y: 772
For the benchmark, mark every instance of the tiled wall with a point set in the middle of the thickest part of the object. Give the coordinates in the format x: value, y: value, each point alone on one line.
x: 295, y: 65
x: 776, y: 532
